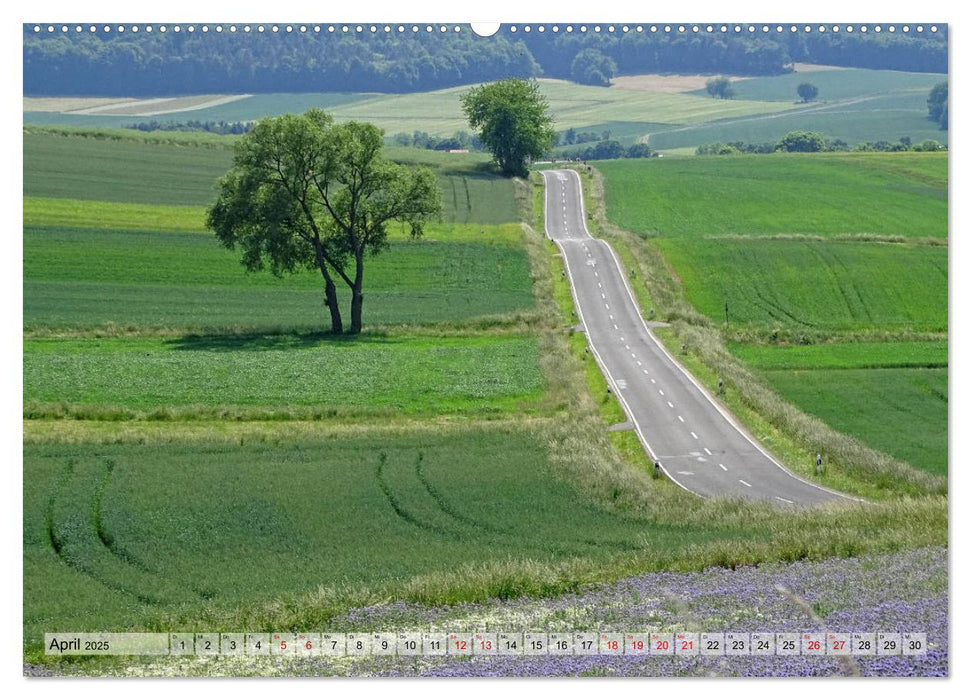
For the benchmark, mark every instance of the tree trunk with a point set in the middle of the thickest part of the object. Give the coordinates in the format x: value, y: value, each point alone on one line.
x: 336, y: 323
x: 357, y: 303
x: 330, y: 291
x: 357, y: 294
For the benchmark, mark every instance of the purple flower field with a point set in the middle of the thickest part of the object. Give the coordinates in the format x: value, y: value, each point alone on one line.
x: 905, y: 592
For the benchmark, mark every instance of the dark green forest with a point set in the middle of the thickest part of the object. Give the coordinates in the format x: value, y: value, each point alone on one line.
x: 172, y: 63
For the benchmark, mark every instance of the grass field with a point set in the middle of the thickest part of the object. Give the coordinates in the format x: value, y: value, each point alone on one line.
x: 916, y: 354
x: 902, y: 412
x: 86, y: 213
x: 79, y: 277
x: 128, y: 169
x: 834, y: 85
x: 398, y: 374
x: 121, y: 171
x: 288, y: 531
x: 828, y: 194
x: 892, y: 395
x: 127, y: 533
x: 854, y: 105
x: 834, y: 285
x: 855, y: 120
x: 439, y: 112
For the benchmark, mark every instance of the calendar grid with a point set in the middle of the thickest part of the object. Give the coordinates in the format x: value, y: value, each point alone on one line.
x: 481, y: 643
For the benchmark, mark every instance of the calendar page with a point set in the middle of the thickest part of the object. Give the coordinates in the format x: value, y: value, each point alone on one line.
x: 525, y: 349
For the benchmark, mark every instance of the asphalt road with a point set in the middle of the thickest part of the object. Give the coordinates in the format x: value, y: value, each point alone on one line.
x: 699, y: 445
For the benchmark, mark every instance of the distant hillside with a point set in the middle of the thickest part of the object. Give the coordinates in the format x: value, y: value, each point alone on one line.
x: 172, y: 63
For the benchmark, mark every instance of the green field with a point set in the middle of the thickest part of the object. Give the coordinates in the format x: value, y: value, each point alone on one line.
x: 891, y: 395
x: 902, y: 412
x: 858, y: 120
x: 439, y: 112
x: 822, y: 285
x: 854, y: 105
x: 130, y: 169
x: 820, y: 194
x: 78, y: 278
x: 397, y: 374
x: 833, y: 85
x: 121, y: 535
x: 916, y: 354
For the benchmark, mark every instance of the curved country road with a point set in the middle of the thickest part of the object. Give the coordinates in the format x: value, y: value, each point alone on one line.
x: 699, y: 445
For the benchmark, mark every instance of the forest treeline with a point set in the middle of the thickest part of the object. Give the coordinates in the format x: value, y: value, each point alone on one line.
x: 195, y: 63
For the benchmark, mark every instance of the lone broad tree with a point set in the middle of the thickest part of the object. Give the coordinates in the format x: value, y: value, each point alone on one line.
x: 807, y: 91
x: 512, y: 119
x: 305, y: 192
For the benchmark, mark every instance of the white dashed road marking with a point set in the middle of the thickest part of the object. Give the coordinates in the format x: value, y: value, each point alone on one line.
x: 694, y: 435
x: 786, y: 500
x: 724, y: 468
x: 681, y: 419
x: 708, y: 451
x: 745, y: 483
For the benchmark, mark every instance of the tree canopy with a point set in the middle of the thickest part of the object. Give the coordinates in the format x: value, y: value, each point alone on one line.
x: 592, y: 67
x: 807, y: 91
x: 802, y: 142
x: 720, y: 87
x: 937, y: 104
x: 305, y: 192
x: 512, y: 119
x: 156, y: 63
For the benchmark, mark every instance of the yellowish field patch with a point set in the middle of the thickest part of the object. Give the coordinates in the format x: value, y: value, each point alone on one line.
x: 814, y: 67
x: 71, y: 104
x: 160, y: 105
x: 653, y: 82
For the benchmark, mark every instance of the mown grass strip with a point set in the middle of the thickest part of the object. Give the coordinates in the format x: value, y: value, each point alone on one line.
x: 843, y: 355
x: 81, y: 213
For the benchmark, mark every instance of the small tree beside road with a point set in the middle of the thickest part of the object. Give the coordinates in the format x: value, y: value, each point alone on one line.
x: 512, y: 119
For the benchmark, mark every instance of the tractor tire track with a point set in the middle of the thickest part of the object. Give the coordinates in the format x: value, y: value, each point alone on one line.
x: 447, y: 508
x: 61, y: 546
x: 505, y: 533
x: 107, y: 539
x: 76, y: 533
x: 400, y: 511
